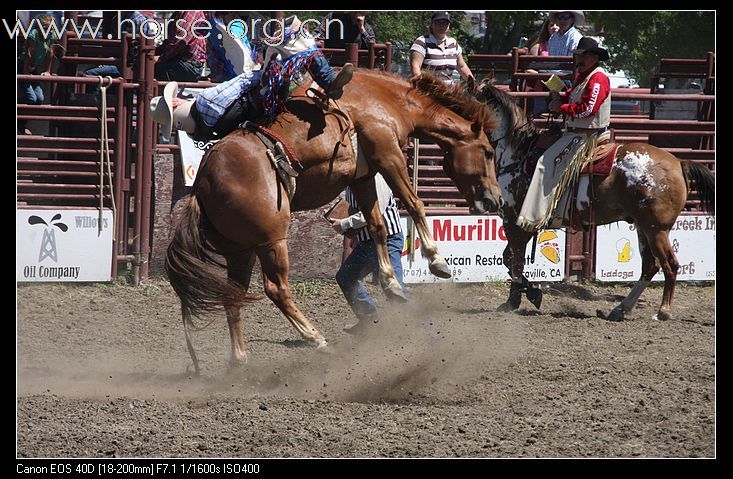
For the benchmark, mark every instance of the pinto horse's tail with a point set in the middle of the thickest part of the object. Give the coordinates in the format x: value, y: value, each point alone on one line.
x: 705, y: 184
x: 194, y: 273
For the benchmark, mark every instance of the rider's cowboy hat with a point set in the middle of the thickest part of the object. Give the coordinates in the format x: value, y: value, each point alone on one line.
x: 578, y: 15
x: 589, y: 45
x: 299, y: 42
x: 162, y: 108
x: 182, y: 118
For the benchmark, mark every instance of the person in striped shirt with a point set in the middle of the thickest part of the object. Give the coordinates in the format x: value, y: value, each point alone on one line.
x: 437, y: 52
x: 363, y: 258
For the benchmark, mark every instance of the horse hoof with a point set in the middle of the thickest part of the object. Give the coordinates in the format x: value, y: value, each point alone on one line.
x: 616, y: 315
x: 440, y: 268
x: 534, y: 295
x: 396, y: 293
x: 506, y: 307
x: 321, y: 343
x: 662, y: 316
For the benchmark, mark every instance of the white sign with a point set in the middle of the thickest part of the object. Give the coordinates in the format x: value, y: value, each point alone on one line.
x: 63, y: 245
x: 191, y: 151
x: 191, y: 154
x: 692, y: 239
x: 474, y: 246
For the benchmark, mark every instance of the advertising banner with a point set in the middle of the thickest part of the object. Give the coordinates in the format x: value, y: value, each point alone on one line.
x: 473, y: 247
x: 63, y: 245
x: 692, y: 239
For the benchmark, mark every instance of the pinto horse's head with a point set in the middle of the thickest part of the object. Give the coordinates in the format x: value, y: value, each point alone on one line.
x: 470, y: 164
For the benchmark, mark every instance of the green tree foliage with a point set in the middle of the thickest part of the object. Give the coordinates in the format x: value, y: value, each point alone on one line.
x: 505, y: 29
x: 637, y: 40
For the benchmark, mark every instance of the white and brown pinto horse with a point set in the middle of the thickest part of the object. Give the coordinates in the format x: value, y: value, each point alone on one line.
x: 646, y: 185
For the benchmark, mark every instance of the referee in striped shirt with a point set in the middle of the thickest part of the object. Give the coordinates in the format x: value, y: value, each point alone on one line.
x: 363, y: 258
x: 437, y: 52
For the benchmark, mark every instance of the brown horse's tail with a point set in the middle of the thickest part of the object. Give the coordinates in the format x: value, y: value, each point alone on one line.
x: 194, y: 274
x: 705, y: 184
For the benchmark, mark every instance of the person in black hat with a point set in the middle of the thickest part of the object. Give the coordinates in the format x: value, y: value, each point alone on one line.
x: 587, y: 111
x: 437, y: 52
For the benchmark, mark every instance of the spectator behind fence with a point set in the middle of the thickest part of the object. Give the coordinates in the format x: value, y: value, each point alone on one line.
x: 355, y: 30
x: 566, y: 38
x: 228, y: 53
x: 133, y: 22
x: 539, y: 48
x: 437, y: 52
x: 35, y: 58
x: 182, y: 59
x: 363, y: 258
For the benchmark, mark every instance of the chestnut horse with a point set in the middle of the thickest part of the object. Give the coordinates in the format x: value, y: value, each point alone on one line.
x: 238, y: 209
x: 647, y: 186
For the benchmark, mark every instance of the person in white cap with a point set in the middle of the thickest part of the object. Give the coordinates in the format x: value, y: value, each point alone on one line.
x: 566, y: 38
x: 219, y: 110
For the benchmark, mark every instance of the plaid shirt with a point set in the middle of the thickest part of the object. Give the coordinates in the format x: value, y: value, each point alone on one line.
x: 563, y: 45
x: 213, y: 102
x: 193, y: 48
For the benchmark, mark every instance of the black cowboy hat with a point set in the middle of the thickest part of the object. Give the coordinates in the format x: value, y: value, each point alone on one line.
x: 589, y: 45
x: 437, y: 16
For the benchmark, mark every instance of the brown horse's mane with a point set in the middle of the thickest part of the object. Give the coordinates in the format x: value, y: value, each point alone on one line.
x: 455, y: 97
x: 520, y: 129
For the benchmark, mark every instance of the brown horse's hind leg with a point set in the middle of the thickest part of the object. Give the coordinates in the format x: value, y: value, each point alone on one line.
x: 275, y: 264
x: 662, y: 250
x: 239, y: 269
x: 649, y: 267
x: 367, y: 198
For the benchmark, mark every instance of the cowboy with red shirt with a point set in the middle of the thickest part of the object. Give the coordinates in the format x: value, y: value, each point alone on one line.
x: 587, y: 111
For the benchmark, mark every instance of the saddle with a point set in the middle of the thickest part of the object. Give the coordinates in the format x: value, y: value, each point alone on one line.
x: 600, y: 164
x: 602, y: 161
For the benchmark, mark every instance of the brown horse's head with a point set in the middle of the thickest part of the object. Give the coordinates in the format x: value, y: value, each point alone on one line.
x: 469, y: 158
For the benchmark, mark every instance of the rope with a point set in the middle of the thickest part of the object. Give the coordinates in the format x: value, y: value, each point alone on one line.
x: 104, y: 155
x: 274, y: 136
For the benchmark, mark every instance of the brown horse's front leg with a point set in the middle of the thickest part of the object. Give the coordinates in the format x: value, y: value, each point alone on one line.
x: 398, y: 179
x: 366, y: 196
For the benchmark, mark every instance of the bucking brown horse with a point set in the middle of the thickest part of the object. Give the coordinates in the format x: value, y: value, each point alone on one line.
x: 239, y: 210
x: 646, y: 185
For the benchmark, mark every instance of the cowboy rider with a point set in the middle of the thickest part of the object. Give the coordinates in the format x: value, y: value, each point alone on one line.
x: 218, y: 110
x: 587, y: 111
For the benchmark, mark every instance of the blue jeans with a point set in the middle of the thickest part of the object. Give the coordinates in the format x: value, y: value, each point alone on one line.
x: 178, y: 70
x: 361, y: 262
x: 31, y: 94
x: 322, y: 72
x: 103, y: 71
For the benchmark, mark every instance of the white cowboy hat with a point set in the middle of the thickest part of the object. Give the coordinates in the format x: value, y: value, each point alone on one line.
x: 182, y: 118
x: 578, y: 14
x: 162, y: 108
x: 300, y: 42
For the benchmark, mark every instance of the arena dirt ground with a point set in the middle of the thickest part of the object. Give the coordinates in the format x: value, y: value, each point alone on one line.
x: 103, y: 372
